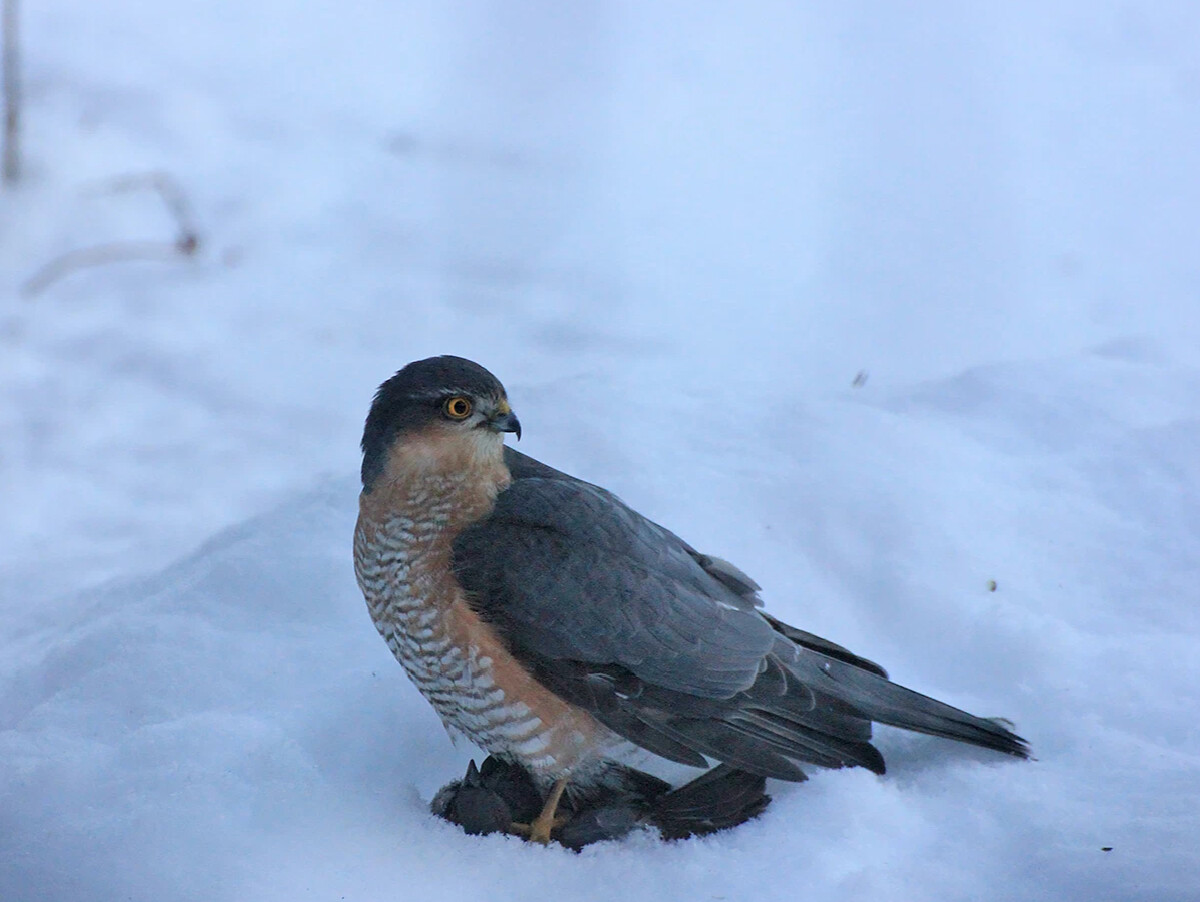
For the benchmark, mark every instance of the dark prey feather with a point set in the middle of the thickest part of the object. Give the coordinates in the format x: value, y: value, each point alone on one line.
x: 499, y: 794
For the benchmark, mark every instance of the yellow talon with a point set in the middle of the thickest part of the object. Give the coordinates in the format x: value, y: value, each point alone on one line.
x: 539, y: 830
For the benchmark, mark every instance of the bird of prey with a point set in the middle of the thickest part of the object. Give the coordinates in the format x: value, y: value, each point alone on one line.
x: 559, y: 629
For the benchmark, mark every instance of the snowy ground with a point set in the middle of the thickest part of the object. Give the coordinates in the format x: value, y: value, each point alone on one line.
x: 677, y: 235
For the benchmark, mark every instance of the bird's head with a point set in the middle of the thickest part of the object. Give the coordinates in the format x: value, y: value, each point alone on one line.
x: 443, y: 408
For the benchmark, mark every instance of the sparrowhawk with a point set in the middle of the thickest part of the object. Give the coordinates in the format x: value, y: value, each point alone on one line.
x: 558, y: 629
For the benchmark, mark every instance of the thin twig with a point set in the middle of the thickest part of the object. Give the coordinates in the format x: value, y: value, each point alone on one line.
x: 12, y: 95
x: 166, y: 187
x: 114, y: 252
x: 186, y: 242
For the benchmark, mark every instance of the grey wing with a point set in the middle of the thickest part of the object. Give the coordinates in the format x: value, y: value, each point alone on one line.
x: 618, y: 615
x: 732, y: 578
x: 566, y: 570
x: 666, y: 647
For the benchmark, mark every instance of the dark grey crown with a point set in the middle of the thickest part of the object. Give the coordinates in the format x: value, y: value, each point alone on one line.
x: 413, y: 398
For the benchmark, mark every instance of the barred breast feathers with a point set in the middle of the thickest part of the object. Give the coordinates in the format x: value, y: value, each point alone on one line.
x: 431, y: 490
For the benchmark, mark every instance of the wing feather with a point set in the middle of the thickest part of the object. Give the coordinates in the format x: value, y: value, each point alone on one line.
x: 565, y: 570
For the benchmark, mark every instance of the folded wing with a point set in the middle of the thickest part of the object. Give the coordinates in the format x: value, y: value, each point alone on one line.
x: 667, y: 647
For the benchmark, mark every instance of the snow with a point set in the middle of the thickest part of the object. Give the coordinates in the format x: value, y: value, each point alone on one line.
x: 678, y: 233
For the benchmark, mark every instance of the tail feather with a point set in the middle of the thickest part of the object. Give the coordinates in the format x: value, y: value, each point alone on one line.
x: 886, y: 702
x: 811, y: 745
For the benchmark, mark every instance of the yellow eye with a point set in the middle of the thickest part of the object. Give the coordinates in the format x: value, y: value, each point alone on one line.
x: 457, y: 408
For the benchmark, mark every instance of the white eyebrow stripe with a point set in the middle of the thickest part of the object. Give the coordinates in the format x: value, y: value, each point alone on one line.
x: 438, y: 394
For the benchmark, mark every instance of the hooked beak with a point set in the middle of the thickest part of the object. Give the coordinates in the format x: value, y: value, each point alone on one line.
x: 504, y: 420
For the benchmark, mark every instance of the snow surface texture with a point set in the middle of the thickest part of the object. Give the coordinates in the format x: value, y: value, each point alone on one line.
x: 677, y: 235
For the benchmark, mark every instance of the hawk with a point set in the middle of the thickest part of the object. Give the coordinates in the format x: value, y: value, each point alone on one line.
x: 559, y: 629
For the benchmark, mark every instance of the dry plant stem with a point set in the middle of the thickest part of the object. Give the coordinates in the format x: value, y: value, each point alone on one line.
x: 116, y: 252
x: 185, y: 244
x: 12, y: 95
x: 167, y: 188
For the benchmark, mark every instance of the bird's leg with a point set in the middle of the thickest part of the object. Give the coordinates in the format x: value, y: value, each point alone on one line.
x: 539, y: 830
